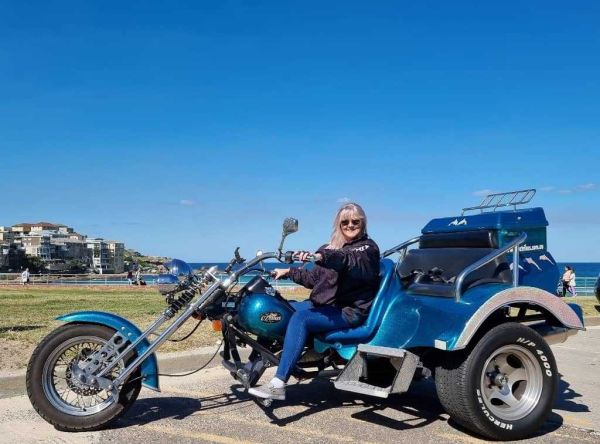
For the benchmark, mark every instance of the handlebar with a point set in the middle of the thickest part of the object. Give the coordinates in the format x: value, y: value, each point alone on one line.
x: 290, y: 257
x: 287, y: 257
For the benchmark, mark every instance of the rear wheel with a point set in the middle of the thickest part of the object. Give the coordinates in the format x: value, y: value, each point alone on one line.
x: 504, y: 387
x: 59, y: 397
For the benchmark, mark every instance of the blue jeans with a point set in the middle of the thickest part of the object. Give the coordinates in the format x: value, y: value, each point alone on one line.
x: 307, y: 319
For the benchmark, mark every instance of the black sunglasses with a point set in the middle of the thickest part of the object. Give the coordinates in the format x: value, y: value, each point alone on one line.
x: 346, y: 222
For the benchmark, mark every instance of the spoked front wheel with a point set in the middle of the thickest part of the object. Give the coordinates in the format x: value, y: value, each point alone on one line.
x: 61, y: 398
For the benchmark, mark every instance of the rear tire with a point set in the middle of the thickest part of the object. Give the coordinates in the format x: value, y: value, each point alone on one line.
x: 504, y: 388
x: 42, y: 377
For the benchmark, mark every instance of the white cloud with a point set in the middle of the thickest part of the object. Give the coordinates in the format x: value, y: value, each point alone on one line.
x: 343, y: 200
x: 587, y: 187
x: 578, y: 189
x: 187, y: 202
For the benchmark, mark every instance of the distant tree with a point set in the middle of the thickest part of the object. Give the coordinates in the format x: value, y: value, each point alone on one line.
x: 34, y: 263
x: 76, y: 266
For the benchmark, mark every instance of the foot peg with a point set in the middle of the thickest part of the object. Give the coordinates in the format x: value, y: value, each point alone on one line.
x: 354, y: 377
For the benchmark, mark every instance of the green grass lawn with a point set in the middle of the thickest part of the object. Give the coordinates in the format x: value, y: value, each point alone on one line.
x: 589, y: 304
x: 27, y: 314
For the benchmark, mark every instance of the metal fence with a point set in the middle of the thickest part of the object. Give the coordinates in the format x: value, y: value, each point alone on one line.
x: 65, y: 279
x: 585, y: 286
x: 98, y: 279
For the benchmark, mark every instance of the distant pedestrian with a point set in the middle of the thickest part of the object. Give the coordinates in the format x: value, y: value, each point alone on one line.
x: 25, y: 277
x: 572, y: 283
x: 130, y: 277
x: 566, y: 280
x: 138, y: 276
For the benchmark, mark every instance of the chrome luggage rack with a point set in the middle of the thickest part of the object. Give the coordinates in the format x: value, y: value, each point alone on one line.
x: 497, y: 200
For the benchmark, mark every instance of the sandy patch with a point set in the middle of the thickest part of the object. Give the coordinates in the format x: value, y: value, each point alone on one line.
x: 14, y: 355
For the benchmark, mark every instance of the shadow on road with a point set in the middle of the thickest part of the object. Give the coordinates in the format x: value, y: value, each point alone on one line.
x: 566, y: 396
x: 148, y: 410
x: 418, y: 407
x: 319, y: 395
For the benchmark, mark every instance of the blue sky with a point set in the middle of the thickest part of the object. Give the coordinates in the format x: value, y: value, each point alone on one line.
x: 188, y: 128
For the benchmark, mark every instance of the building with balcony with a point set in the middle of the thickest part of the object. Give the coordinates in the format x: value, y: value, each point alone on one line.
x: 6, y: 234
x: 38, y: 245
x: 56, y: 244
x: 106, y: 256
x: 117, y: 251
x: 27, y: 228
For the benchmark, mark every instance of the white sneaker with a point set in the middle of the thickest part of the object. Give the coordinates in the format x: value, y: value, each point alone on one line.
x: 268, y: 391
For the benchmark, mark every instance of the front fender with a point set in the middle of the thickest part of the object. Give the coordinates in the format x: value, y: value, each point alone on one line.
x: 149, y: 368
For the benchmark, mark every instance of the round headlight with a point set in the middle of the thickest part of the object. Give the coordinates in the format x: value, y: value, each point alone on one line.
x: 167, y: 283
x: 179, y: 268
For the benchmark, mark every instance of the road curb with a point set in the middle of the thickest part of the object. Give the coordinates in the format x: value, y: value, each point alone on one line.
x: 13, y: 383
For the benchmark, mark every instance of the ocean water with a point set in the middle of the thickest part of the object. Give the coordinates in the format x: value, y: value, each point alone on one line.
x: 221, y: 265
x: 582, y: 269
x: 586, y: 272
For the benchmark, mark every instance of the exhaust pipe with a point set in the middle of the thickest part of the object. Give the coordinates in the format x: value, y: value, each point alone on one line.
x: 553, y: 334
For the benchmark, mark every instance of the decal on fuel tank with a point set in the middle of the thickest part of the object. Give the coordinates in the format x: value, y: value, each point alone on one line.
x: 270, y: 317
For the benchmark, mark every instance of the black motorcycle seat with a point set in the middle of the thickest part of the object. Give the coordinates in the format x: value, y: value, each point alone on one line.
x: 451, y: 261
x: 365, y: 331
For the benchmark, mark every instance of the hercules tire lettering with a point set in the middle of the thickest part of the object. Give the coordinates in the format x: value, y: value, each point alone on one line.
x: 458, y: 381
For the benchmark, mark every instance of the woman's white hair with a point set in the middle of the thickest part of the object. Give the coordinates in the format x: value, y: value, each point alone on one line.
x: 350, y: 210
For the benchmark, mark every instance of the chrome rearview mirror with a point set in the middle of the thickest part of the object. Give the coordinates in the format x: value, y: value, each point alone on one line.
x: 290, y: 225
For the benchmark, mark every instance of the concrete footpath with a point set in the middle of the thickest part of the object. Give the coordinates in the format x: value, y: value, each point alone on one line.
x: 211, y: 407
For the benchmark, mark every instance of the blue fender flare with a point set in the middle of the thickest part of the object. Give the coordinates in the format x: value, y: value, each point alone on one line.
x: 148, y: 368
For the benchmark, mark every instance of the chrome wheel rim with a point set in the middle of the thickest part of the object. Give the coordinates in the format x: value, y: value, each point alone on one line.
x: 511, y: 382
x: 63, y: 390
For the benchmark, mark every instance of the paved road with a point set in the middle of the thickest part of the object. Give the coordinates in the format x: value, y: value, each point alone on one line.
x: 210, y: 407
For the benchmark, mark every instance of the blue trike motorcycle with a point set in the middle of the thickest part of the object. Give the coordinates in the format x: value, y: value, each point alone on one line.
x: 470, y: 303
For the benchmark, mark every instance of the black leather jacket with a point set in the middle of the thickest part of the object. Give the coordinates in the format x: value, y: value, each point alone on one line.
x: 347, y: 278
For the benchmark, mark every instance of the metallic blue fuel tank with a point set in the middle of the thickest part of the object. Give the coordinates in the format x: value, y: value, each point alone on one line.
x: 262, y: 310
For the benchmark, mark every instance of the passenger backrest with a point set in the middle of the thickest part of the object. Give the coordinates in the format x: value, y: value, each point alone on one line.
x: 454, y: 260
x: 365, y: 331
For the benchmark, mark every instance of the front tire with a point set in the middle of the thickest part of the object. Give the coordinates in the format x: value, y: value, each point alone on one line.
x: 504, y: 388
x: 58, y: 397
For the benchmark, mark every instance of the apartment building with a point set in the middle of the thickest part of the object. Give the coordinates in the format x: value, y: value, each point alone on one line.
x: 117, y: 252
x: 37, y: 245
x: 27, y: 228
x: 6, y: 235
x: 56, y: 244
x: 106, y: 256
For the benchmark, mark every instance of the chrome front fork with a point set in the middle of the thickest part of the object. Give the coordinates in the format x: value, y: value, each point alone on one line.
x: 111, y: 352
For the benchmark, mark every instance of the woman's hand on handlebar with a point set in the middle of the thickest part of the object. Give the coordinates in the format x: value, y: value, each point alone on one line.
x: 280, y: 273
x: 305, y: 256
x: 301, y: 256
